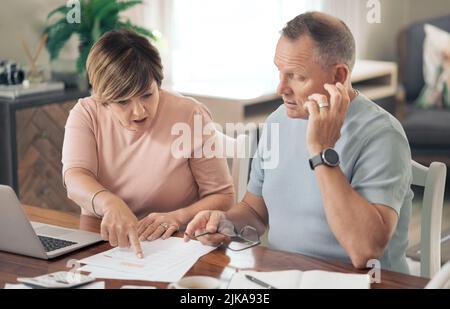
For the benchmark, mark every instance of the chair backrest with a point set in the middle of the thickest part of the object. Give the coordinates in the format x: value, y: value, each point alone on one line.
x: 240, y: 150
x: 433, y: 180
x: 441, y: 280
x: 411, y: 54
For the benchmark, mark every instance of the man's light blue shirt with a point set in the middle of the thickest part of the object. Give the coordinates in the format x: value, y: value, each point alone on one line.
x: 376, y: 159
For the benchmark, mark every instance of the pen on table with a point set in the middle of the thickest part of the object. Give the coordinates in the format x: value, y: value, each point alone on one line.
x: 259, y: 282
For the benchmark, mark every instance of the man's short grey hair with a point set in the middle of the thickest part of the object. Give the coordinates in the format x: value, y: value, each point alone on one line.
x: 334, y: 40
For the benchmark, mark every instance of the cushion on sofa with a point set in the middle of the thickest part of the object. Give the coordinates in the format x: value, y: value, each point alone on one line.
x: 412, y: 74
x: 436, y: 70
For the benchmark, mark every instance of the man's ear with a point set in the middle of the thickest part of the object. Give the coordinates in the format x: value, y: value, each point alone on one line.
x: 341, y: 74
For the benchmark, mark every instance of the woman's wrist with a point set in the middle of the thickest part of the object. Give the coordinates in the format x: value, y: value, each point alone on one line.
x: 93, y: 201
x: 104, y: 201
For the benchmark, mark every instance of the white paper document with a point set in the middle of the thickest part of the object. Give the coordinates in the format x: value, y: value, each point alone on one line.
x: 90, y: 286
x: 296, y: 279
x: 164, y: 260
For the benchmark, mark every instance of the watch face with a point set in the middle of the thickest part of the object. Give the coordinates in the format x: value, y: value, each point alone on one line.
x: 331, y: 157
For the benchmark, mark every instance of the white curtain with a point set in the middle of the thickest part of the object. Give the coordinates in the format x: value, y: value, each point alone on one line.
x: 220, y: 44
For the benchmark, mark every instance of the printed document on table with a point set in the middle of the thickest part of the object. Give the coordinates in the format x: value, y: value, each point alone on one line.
x: 163, y: 259
x: 89, y: 286
x: 172, y: 275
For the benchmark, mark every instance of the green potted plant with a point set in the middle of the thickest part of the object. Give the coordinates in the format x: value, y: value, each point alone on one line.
x: 96, y: 18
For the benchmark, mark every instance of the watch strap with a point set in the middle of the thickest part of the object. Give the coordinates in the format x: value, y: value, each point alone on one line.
x: 316, y: 161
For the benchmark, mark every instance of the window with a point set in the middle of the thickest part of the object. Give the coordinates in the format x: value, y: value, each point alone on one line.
x: 223, y: 47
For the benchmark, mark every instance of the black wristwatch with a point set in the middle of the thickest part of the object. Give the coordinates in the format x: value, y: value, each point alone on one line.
x: 328, y: 157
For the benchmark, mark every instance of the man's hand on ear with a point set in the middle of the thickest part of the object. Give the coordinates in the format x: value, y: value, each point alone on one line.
x: 326, y: 118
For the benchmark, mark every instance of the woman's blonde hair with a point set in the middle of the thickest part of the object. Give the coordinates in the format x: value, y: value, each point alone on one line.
x: 122, y: 65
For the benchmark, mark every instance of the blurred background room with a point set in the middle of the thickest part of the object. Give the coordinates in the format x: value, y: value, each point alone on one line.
x: 220, y: 52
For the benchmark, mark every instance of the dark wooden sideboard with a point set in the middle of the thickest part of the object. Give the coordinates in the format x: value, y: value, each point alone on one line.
x: 31, y: 138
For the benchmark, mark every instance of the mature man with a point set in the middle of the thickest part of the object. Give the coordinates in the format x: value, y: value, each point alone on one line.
x: 342, y: 186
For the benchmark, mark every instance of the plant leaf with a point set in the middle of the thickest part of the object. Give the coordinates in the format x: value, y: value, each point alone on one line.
x: 111, y: 11
x: 58, y: 34
x: 81, y: 61
x: 97, y: 17
x: 96, y: 32
x: 62, y: 9
x: 97, y: 5
x: 143, y: 31
x: 108, y: 17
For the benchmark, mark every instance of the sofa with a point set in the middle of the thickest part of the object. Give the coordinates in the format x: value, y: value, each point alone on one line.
x: 428, y: 130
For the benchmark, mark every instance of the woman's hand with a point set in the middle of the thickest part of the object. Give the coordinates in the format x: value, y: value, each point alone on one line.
x: 119, y: 226
x: 159, y: 225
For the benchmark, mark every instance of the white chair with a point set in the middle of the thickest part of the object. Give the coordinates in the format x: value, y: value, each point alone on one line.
x: 433, y: 181
x: 441, y: 280
x: 241, y: 150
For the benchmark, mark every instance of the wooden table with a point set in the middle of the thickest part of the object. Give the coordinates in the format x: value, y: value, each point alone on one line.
x: 220, y: 263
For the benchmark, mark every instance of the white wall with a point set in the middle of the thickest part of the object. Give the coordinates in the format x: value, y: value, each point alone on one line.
x: 418, y: 9
x: 397, y: 14
x: 379, y: 41
x: 28, y: 18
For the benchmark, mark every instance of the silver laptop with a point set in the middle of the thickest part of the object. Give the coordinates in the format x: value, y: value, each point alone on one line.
x: 43, y: 241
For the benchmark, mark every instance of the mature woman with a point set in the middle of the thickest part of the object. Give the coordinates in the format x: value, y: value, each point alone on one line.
x: 117, y: 155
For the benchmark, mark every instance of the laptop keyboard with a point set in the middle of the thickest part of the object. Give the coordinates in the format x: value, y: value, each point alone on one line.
x: 52, y: 244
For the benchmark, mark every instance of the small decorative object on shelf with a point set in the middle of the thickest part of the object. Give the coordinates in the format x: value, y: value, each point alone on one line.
x: 10, y: 73
x: 35, y: 74
x: 16, y: 83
